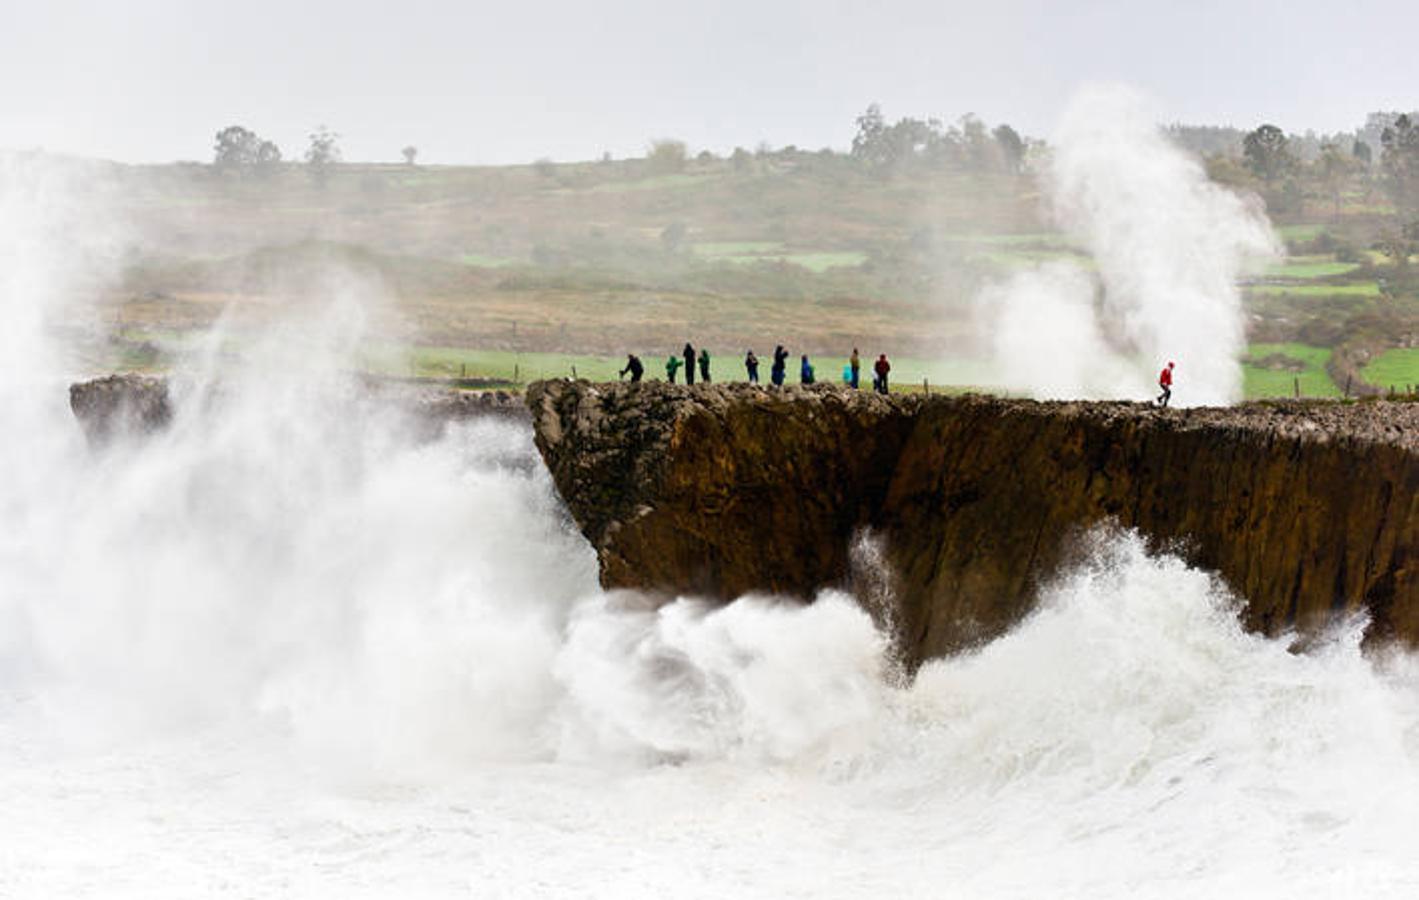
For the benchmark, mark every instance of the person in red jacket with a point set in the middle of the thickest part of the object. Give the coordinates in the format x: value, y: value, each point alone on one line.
x: 1165, y: 381
x: 881, y: 368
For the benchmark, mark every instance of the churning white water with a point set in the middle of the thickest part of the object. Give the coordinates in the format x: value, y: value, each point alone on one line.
x: 283, y: 649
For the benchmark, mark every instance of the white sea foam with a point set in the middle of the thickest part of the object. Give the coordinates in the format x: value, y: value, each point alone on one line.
x: 282, y: 649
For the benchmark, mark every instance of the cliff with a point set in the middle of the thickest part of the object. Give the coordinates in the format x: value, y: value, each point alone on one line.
x: 1307, y: 511
x: 139, y: 404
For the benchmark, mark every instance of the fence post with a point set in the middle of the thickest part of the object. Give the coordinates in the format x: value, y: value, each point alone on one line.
x: 573, y: 373
x: 1347, y: 387
x: 1297, y: 381
x: 925, y: 388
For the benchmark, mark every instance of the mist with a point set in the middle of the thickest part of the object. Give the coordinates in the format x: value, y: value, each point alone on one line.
x: 1167, y: 247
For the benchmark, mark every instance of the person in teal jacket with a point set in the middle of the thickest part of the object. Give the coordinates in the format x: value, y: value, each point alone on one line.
x: 672, y: 365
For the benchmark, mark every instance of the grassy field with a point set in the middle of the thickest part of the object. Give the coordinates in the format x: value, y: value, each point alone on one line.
x: 484, y: 261
x: 1304, y: 267
x: 1298, y: 362
x: 1394, y: 368
x: 1363, y: 289
x: 457, y: 362
x: 521, y: 272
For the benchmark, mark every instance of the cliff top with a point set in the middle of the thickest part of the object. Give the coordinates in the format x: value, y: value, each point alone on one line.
x: 1392, y: 422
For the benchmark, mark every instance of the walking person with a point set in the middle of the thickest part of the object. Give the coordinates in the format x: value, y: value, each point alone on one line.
x: 856, y: 363
x: 704, y: 365
x: 672, y: 365
x: 780, y: 365
x: 751, y: 365
x: 633, y: 365
x: 1165, y: 381
x: 805, y: 371
x: 881, y: 368
x: 689, y: 363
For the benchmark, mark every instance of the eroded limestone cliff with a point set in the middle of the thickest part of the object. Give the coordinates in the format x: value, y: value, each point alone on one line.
x: 141, y: 403
x: 1307, y: 511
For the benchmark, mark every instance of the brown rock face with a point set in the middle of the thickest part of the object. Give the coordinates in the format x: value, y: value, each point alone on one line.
x: 119, y: 403
x: 1308, y: 511
x: 138, y: 403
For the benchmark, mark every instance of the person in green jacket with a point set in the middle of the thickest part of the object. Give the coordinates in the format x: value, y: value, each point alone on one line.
x: 672, y: 365
x: 704, y: 365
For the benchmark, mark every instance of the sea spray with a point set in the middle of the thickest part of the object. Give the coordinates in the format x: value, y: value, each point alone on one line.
x: 1168, y: 247
x: 289, y: 648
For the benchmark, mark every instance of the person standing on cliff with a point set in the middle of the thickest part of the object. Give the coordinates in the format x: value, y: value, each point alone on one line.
x: 633, y: 365
x: 780, y: 365
x: 751, y: 365
x: 805, y: 372
x: 1165, y: 381
x: 704, y: 365
x: 672, y: 365
x: 881, y: 368
x: 689, y: 363
x: 855, y: 362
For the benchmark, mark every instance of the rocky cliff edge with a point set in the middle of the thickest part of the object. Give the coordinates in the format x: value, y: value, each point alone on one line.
x: 1308, y: 511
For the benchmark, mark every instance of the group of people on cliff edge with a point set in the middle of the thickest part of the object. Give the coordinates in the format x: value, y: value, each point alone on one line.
x: 778, y: 372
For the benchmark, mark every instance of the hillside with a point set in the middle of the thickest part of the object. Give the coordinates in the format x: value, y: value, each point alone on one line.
x: 477, y: 266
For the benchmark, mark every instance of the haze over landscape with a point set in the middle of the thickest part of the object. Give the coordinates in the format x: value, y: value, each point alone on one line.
x: 333, y: 562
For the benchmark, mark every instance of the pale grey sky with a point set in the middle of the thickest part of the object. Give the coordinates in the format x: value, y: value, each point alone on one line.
x: 484, y: 82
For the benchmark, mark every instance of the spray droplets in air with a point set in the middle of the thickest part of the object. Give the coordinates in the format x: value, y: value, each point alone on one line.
x: 1167, y: 247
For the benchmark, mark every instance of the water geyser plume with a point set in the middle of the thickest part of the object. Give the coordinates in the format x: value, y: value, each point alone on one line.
x: 1168, y: 246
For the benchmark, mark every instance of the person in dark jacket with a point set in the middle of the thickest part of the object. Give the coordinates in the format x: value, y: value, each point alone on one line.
x: 751, y: 365
x: 689, y: 354
x: 780, y: 365
x: 805, y: 372
x: 855, y: 362
x: 633, y: 365
x: 881, y: 368
x: 704, y: 365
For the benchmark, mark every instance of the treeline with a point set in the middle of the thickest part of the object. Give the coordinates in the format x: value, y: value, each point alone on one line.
x: 242, y: 152
x: 1377, y: 161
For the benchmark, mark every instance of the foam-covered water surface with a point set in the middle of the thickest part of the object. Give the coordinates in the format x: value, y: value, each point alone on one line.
x: 286, y: 648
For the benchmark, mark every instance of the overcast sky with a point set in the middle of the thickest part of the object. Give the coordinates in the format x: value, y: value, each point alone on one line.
x: 513, y: 81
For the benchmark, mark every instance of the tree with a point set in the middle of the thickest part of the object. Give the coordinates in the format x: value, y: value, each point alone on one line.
x: 410, y: 154
x: 672, y: 236
x: 976, y: 144
x: 1335, y: 169
x: 667, y: 155
x: 1267, y: 154
x: 1361, y: 151
x: 268, y: 159
x: 885, y: 149
x: 1399, y: 161
x: 867, y: 142
x: 243, y: 152
x: 322, y: 154
x: 1012, y: 147
x: 236, y: 147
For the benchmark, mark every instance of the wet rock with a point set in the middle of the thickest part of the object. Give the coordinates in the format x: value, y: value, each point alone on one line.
x: 120, y: 403
x: 137, y: 403
x: 1309, y: 511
